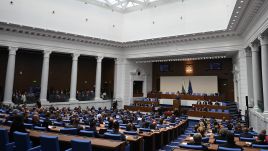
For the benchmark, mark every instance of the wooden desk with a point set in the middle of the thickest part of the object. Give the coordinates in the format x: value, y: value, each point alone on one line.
x: 96, y: 142
x: 208, y: 114
x: 214, y: 147
x: 185, y: 97
x: 139, y: 108
x: 199, y: 106
x: 155, y: 103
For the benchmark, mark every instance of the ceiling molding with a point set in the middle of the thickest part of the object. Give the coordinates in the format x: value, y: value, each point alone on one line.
x: 248, y: 11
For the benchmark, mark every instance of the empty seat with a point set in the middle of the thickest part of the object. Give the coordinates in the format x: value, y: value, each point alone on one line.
x: 22, y: 141
x: 80, y: 145
x: 195, y: 147
x: 5, y: 145
x: 71, y: 131
x: 87, y: 133
x: 130, y: 132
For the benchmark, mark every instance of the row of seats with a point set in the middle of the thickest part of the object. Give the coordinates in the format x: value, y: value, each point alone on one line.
x: 47, y: 143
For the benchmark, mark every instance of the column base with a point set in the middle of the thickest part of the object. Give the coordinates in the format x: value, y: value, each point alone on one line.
x: 44, y: 101
x: 73, y: 100
x: 98, y: 99
x: 8, y: 103
x: 265, y: 114
x: 256, y: 109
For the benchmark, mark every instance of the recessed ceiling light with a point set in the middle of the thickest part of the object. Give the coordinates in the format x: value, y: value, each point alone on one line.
x: 237, y: 12
x: 235, y: 16
x: 234, y: 20
x: 239, y: 6
x: 242, y: 1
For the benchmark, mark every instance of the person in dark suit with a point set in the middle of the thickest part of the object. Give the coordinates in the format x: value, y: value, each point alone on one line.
x: 197, y: 140
x: 93, y: 128
x: 116, y: 131
x: 17, y: 125
x: 222, y: 134
x: 246, y: 133
x: 230, y: 141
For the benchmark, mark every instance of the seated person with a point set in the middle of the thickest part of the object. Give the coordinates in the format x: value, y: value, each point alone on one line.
x: 197, y: 140
x: 222, y: 134
x: 17, y: 125
x: 230, y: 141
x: 210, y: 102
x: 238, y: 129
x: 260, y: 140
x: 35, y: 120
x: 202, y: 131
x: 116, y: 131
x: 92, y: 127
x: 74, y: 124
x: 217, y: 103
x: 246, y: 133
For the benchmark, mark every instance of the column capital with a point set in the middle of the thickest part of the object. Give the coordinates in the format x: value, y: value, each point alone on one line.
x: 254, y: 46
x: 248, y: 52
x: 118, y: 60
x: 263, y: 39
x: 75, y: 56
x: 12, y: 50
x: 47, y: 53
x: 99, y: 58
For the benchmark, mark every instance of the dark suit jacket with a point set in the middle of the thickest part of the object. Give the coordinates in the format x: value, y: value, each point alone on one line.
x: 247, y: 135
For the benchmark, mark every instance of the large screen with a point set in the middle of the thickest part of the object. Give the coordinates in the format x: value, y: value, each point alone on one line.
x: 200, y: 84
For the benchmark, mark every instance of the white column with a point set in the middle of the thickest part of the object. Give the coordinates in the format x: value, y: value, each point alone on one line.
x: 256, y: 69
x: 144, y: 88
x: 98, y: 78
x: 10, y: 75
x: 74, y: 78
x: 264, y: 62
x: 249, y: 76
x: 44, y: 78
x: 115, y: 77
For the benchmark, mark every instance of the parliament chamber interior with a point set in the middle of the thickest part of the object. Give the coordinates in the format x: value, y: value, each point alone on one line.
x: 133, y: 75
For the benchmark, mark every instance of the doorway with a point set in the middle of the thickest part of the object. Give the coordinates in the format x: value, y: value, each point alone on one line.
x: 137, y: 88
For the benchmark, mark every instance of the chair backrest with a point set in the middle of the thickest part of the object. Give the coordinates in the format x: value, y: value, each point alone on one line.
x: 195, y: 147
x: 260, y: 146
x: 28, y: 126
x: 22, y: 141
x: 58, y: 123
x: 71, y: 131
x: 219, y: 141
x: 229, y: 149
x: 49, y: 143
x: 3, y: 138
x: 87, y: 133
x: 245, y: 139
x: 40, y: 128
x: 145, y: 130
x: 130, y: 132
x: 81, y: 145
x: 205, y: 139
x: 112, y: 136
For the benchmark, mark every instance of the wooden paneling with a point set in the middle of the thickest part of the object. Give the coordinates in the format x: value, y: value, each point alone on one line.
x: 200, y: 68
x: 28, y: 69
x: 60, y: 67
x: 107, y: 80
x: 3, y: 66
x: 86, y: 73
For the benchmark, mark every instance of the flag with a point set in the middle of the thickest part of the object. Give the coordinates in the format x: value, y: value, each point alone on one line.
x: 190, y: 89
x: 182, y: 89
